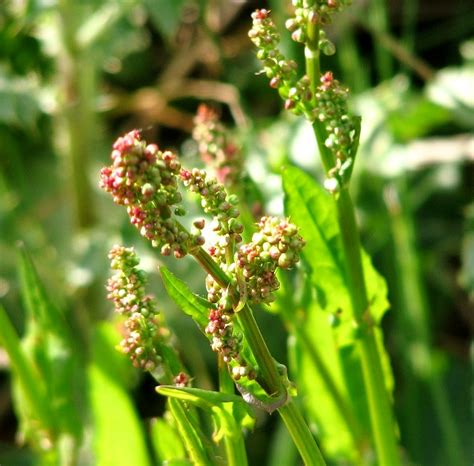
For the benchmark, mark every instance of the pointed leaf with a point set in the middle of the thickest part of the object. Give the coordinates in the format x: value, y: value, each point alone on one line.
x: 187, y: 301
x: 53, y: 348
x: 189, y: 433
x: 197, y: 396
x: 32, y: 386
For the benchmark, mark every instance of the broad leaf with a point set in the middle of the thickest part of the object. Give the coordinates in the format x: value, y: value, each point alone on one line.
x: 118, y: 436
x: 313, y: 210
x: 327, y: 345
x: 165, y: 15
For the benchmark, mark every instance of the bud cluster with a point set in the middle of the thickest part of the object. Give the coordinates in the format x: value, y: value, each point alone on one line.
x: 216, y: 202
x: 275, y: 244
x: 226, y: 342
x: 145, y: 334
x: 328, y: 105
x: 281, y: 72
x: 126, y: 289
x: 144, y: 179
x: 318, y: 11
x: 334, y: 112
x: 214, y: 146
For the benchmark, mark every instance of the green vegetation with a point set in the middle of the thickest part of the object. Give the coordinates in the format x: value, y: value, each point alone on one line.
x: 287, y: 277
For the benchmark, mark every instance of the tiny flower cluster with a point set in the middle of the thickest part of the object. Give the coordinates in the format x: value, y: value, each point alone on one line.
x: 298, y: 24
x: 216, y: 202
x: 250, y: 267
x: 281, y: 72
x: 145, y: 332
x: 215, y: 148
x: 328, y: 104
x: 334, y: 112
x: 143, y: 179
x: 226, y: 342
x: 126, y: 289
x: 276, y: 244
x: 318, y: 11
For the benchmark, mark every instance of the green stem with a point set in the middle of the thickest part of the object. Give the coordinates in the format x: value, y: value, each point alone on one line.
x: 381, y: 417
x: 313, y: 70
x: 382, y: 422
x: 301, y: 434
x: 270, y: 377
x: 266, y: 363
x: 77, y: 110
x: 233, y: 441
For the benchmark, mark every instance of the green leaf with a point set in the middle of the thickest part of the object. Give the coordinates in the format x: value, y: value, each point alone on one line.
x: 37, y: 303
x: 166, y: 442
x: 313, y: 210
x: 32, y: 385
x: 19, y: 104
x: 53, y: 348
x: 118, y: 436
x: 202, y: 398
x: 187, y: 301
x: 229, y: 412
x: 329, y: 333
x: 307, y: 352
x: 416, y: 117
x: 189, y: 433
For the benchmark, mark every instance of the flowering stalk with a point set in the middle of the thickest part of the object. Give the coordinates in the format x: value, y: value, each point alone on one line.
x: 147, y: 341
x: 146, y: 338
x: 324, y: 104
x: 144, y: 179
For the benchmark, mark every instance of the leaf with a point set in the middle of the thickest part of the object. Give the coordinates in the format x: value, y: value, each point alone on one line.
x: 313, y: 210
x: 166, y: 442
x: 53, y: 348
x: 118, y: 436
x: 19, y: 104
x: 326, y: 347
x: 229, y: 412
x: 189, y: 433
x: 197, y: 396
x: 37, y: 303
x: 32, y: 386
x: 187, y: 301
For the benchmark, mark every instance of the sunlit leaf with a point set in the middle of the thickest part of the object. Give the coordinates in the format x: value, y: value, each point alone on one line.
x: 197, y: 396
x: 118, y: 436
x: 329, y: 322
x: 166, y: 442
x: 186, y: 300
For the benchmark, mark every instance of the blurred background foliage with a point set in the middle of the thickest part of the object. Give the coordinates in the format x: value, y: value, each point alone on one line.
x: 75, y: 75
